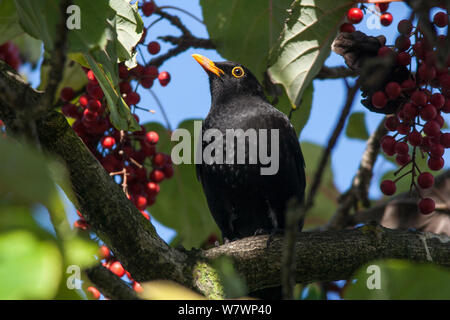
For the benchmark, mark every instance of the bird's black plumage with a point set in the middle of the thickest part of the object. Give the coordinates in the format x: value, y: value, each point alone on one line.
x: 242, y: 201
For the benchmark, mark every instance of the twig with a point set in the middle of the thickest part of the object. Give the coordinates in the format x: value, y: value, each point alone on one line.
x: 335, y: 73
x: 184, y: 11
x: 351, y: 93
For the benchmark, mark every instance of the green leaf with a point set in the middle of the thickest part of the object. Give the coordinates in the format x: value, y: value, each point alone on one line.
x: 120, y: 114
x: 30, y: 48
x: 244, y: 31
x: 129, y: 28
x: 305, y: 43
x: 29, y: 268
x: 299, y: 115
x: 233, y: 283
x: 356, y: 126
x: 9, y: 22
x: 181, y: 204
x: 81, y: 252
x: 39, y: 19
x: 325, y: 200
x: 401, y: 280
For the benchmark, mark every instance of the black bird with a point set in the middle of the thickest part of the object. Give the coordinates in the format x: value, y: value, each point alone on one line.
x: 242, y: 201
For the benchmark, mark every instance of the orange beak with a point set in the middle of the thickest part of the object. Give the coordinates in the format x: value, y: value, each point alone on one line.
x: 207, y: 64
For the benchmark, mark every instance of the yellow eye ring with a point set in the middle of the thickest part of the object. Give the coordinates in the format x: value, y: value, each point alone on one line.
x: 238, y: 72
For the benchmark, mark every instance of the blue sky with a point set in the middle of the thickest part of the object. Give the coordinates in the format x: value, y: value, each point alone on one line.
x: 187, y: 96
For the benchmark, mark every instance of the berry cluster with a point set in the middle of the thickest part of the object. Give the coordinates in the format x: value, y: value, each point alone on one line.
x: 421, y: 99
x: 356, y: 15
x: 124, y: 155
x: 10, y: 54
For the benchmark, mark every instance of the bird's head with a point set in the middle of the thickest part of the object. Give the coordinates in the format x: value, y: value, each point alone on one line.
x: 229, y: 79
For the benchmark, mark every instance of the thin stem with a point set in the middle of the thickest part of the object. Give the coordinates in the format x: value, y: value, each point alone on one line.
x: 184, y: 11
x: 163, y: 112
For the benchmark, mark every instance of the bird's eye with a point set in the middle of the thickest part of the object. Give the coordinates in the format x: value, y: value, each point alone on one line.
x: 237, y: 72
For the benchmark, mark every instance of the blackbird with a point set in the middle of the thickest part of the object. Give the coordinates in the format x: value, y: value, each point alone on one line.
x: 243, y: 201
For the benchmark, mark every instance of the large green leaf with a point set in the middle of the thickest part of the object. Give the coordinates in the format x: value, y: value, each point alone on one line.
x: 244, y: 30
x: 326, y: 197
x: 29, y: 268
x: 9, y: 22
x: 299, y: 114
x: 181, y: 204
x: 356, y: 126
x: 305, y: 43
x: 400, y: 280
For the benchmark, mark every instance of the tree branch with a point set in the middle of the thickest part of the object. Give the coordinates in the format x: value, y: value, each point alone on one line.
x: 336, y: 73
x: 110, y: 285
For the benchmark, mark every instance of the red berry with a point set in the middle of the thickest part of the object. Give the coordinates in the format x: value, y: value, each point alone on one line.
x: 382, y: 6
x: 404, y: 27
x: 81, y: 224
x: 415, y: 138
x: 157, y: 175
x: 94, y: 91
x: 438, y: 100
x: 435, y: 163
x: 384, y: 51
x: 403, y: 59
x: 432, y: 128
x: 152, y: 137
x: 444, y: 139
x: 437, y: 150
x: 446, y: 107
x: 93, y: 293
x: 428, y: 113
x: 133, y: 98
x: 391, y: 123
x: 388, y: 187
x: 355, y: 15
x: 410, y: 111
x: 83, y: 100
x: 152, y: 188
x: 91, y: 76
x: 402, y: 43
x: 404, y: 128
x: 153, y: 47
x: 89, y: 116
x: 427, y: 205
x: 164, y: 78
x: 137, y: 287
x: 94, y: 105
x: 379, y: 99
x: 108, y: 142
x: 419, y: 98
x: 145, y: 214
x: 105, y: 253
x: 388, y: 145
x: 159, y: 160
x: 148, y: 8
x: 140, y: 202
x: 125, y: 87
x: 123, y: 71
x: 168, y: 172
x: 347, y: 27
x: 150, y: 72
x: 67, y: 94
x: 117, y: 268
x: 402, y: 159
x: 393, y: 90
x: 147, y: 83
x: 427, y: 73
x: 401, y: 148
x: 408, y: 85
x: 386, y: 19
x: 440, y: 19
x: 425, y: 180
x: 70, y: 110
